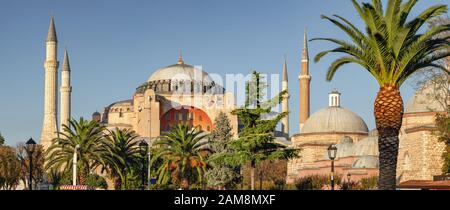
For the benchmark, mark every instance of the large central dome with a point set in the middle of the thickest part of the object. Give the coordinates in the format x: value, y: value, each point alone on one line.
x: 180, y: 71
x: 180, y: 78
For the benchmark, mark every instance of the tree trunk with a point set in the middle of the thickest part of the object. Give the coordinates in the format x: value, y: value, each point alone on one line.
x: 252, y: 176
x: 388, y: 117
x: 117, y: 183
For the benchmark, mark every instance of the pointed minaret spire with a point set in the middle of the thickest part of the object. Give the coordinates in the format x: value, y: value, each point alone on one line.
x: 51, y: 37
x: 66, y: 92
x: 305, y: 54
x: 66, y: 64
x: 285, y: 74
x: 180, y: 58
x: 305, y: 82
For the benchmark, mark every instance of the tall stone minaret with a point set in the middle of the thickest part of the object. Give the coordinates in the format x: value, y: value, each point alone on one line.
x: 50, y: 127
x: 285, y: 102
x: 305, y: 81
x: 66, y: 91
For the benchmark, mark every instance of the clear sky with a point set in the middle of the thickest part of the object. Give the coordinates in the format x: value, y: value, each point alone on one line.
x: 114, y: 46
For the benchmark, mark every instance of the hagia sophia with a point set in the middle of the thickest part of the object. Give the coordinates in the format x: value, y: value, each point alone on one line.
x: 181, y: 93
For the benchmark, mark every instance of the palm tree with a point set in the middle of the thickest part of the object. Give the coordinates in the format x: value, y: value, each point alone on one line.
x: 123, y: 154
x: 89, y: 136
x: 182, y: 151
x: 391, y: 50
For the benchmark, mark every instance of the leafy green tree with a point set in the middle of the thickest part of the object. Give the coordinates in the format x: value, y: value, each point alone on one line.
x: 391, y: 50
x: 443, y: 133
x: 123, y: 155
x: 256, y: 140
x: 10, y: 168
x: 88, y: 135
x: 38, y: 164
x: 221, y: 175
x: 182, y: 151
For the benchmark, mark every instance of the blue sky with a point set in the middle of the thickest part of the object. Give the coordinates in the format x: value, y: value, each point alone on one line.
x: 114, y: 46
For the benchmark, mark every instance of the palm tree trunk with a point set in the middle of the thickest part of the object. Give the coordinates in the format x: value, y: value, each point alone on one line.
x: 388, y: 117
x: 252, y: 175
x: 117, y: 183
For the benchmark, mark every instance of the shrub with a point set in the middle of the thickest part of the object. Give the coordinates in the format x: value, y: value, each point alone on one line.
x: 315, y: 182
x: 94, y: 180
x: 370, y: 183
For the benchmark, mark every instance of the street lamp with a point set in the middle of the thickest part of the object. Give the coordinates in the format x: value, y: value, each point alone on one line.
x: 143, y: 150
x: 332, y: 150
x: 31, y: 146
x: 149, y: 177
x: 74, y: 165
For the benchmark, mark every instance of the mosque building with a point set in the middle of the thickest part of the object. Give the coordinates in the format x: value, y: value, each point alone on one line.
x: 185, y: 94
x: 420, y: 152
x: 176, y: 94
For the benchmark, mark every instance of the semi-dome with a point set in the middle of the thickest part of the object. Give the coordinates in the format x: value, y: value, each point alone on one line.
x: 344, y: 148
x: 424, y: 100
x: 367, y: 146
x: 335, y: 119
x: 366, y: 162
x: 180, y: 71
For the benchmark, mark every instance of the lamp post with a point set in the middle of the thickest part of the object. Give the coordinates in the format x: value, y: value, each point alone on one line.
x: 143, y: 150
x: 74, y: 165
x: 332, y: 150
x: 149, y: 177
x: 31, y: 145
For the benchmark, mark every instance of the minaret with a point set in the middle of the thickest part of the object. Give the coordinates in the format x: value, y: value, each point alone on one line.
x: 49, y: 127
x: 305, y: 81
x: 285, y: 102
x: 66, y: 91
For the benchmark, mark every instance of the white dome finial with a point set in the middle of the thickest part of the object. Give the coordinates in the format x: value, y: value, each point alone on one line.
x: 334, y: 98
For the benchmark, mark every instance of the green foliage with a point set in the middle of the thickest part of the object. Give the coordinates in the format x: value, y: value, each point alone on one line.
x: 443, y: 133
x: 392, y: 48
x: 10, y: 168
x: 122, y: 155
x: 91, y: 153
x: 182, y: 151
x: 369, y: 183
x: 256, y: 139
x: 96, y: 181
x: 38, y: 164
x: 221, y: 175
x: 316, y: 182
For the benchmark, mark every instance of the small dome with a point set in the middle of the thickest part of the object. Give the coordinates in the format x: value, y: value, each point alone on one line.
x: 424, y: 100
x: 367, y: 146
x: 180, y: 71
x: 366, y: 162
x: 121, y: 104
x: 344, y: 148
x: 96, y: 114
x: 334, y: 119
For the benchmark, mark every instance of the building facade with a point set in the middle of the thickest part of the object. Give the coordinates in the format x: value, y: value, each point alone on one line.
x: 176, y: 94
